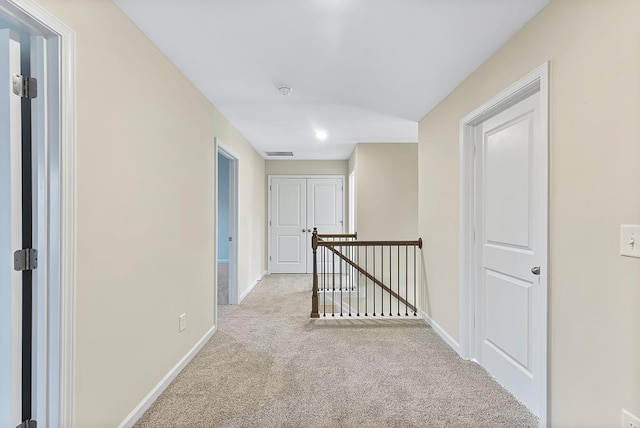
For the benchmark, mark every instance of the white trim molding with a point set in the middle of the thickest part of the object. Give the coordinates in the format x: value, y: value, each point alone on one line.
x: 535, y: 82
x: 61, y: 41
x: 440, y: 331
x: 153, y: 395
x: 252, y: 286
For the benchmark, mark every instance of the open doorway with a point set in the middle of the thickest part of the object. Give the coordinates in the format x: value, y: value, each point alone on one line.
x: 226, y: 227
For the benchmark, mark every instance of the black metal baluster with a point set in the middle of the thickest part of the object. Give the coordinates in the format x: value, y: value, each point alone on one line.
x: 325, y: 268
x: 366, y: 281
x: 414, y: 281
x: 354, y: 281
x: 355, y: 251
x: 398, y: 284
x: 390, y: 280
x: 341, y: 274
x: 333, y: 282
x: 374, y: 284
x: 406, y: 280
x: 324, y: 285
x: 350, y: 278
x: 358, y: 282
x: 321, y: 270
x: 382, y: 281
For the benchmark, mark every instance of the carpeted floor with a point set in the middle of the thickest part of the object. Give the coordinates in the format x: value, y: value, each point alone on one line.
x: 269, y: 365
x: 223, y: 283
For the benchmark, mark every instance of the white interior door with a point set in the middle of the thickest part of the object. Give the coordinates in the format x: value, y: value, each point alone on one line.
x: 324, y: 210
x: 10, y: 232
x: 511, y: 241
x: 288, y: 225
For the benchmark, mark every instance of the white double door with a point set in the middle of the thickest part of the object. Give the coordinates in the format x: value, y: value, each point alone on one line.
x: 511, y: 248
x: 298, y: 205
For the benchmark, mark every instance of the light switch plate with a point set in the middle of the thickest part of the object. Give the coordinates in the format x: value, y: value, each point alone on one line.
x: 630, y: 240
x: 629, y: 421
x: 182, y: 322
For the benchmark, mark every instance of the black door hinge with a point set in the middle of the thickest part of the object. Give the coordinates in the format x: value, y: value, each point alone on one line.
x: 25, y: 87
x: 25, y: 259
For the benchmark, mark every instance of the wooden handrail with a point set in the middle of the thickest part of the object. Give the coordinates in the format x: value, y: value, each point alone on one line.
x: 338, y: 235
x: 372, y: 278
x: 417, y: 243
x: 317, y: 241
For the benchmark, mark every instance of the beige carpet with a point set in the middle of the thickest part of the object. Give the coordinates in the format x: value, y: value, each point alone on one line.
x: 269, y: 365
x: 223, y: 283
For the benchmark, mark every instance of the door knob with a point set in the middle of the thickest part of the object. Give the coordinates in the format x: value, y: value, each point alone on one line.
x: 304, y: 230
x: 535, y: 270
x: 308, y: 230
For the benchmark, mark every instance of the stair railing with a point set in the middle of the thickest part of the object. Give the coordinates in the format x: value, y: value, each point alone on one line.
x: 364, y: 278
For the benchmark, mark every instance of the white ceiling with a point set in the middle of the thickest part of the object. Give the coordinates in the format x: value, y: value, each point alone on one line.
x: 362, y: 70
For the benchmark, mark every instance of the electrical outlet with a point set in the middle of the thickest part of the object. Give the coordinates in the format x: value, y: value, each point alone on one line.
x: 629, y: 421
x: 183, y: 323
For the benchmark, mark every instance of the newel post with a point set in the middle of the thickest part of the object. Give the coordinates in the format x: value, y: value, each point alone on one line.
x: 314, y: 297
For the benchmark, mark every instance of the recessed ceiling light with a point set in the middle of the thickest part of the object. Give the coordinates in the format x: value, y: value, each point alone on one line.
x: 285, y: 90
x: 321, y: 135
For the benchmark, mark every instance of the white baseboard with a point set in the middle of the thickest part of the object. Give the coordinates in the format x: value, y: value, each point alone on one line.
x: 147, y: 401
x: 441, y: 332
x: 252, y: 286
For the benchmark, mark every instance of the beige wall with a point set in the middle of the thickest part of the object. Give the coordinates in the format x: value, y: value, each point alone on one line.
x: 306, y: 167
x: 353, y: 160
x: 386, y: 191
x: 594, y: 49
x: 145, y: 210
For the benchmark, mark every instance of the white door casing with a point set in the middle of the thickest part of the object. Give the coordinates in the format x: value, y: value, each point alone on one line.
x: 504, y: 235
x: 299, y: 204
x: 10, y: 232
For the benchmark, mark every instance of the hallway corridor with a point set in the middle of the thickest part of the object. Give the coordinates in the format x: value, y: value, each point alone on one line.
x: 270, y: 365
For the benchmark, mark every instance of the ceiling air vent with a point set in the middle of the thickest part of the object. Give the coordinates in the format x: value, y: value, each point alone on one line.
x: 279, y: 153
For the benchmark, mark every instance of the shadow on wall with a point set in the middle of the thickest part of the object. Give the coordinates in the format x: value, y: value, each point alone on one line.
x: 424, y: 302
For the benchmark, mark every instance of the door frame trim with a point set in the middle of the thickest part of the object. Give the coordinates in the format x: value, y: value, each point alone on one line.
x: 305, y: 176
x: 62, y: 269
x: 234, y: 221
x: 352, y: 211
x: 536, y: 81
